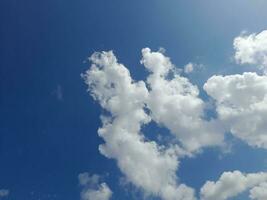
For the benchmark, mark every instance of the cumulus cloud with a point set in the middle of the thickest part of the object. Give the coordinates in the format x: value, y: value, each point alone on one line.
x: 4, y: 193
x: 241, y: 104
x: 144, y: 163
x: 175, y: 103
x: 259, y: 192
x: 92, y: 188
x: 231, y: 184
x: 252, y: 49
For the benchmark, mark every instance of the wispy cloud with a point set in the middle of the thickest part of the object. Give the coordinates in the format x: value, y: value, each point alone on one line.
x: 4, y: 193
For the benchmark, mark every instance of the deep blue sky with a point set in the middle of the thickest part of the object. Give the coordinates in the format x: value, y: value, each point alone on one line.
x: 48, y: 122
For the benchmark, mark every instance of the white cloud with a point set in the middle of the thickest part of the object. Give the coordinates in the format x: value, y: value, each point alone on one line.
x: 241, y: 102
x: 252, y: 49
x: 188, y: 68
x: 145, y: 164
x: 192, y: 67
x: 259, y: 192
x: 4, y: 193
x: 92, y: 189
x: 231, y: 184
x: 175, y: 103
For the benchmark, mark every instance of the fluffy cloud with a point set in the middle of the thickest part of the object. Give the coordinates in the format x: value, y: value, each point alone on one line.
x: 259, y: 192
x: 4, y: 193
x: 252, y: 49
x: 174, y: 103
x: 241, y: 102
x: 230, y: 184
x: 145, y: 164
x: 92, y: 189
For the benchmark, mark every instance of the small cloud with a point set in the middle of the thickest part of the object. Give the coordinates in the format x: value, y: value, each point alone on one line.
x: 93, y: 189
x: 85, y: 179
x: 188, y: 68
x: 58, y: 93
x: 162, y: 50
x: 4, y: 193
x: 192, y: 67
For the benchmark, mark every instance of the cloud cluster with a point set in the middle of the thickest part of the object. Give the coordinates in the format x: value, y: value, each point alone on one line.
x: 242, y: 109
x: 145, y: 164
x: 173, y: 102
x: 92, y: 189
x: 230, y: 184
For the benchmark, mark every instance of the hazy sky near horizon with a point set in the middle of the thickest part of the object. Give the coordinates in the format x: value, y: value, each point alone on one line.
x: 166, y: 112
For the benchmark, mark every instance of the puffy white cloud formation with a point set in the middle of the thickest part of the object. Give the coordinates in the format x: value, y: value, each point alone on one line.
x: 241, y: 102
x: 252, y: 49
x: 92, y: 189
x: 174, y: 103
x: 4, y: 193
x: 230, y: 184
x: 259, y: 192
x: 145, y: 164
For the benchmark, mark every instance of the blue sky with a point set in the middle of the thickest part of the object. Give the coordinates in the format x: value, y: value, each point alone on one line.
x: 49, y: 122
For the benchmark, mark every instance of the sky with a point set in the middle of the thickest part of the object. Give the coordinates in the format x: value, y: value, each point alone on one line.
x: 172, y: 106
